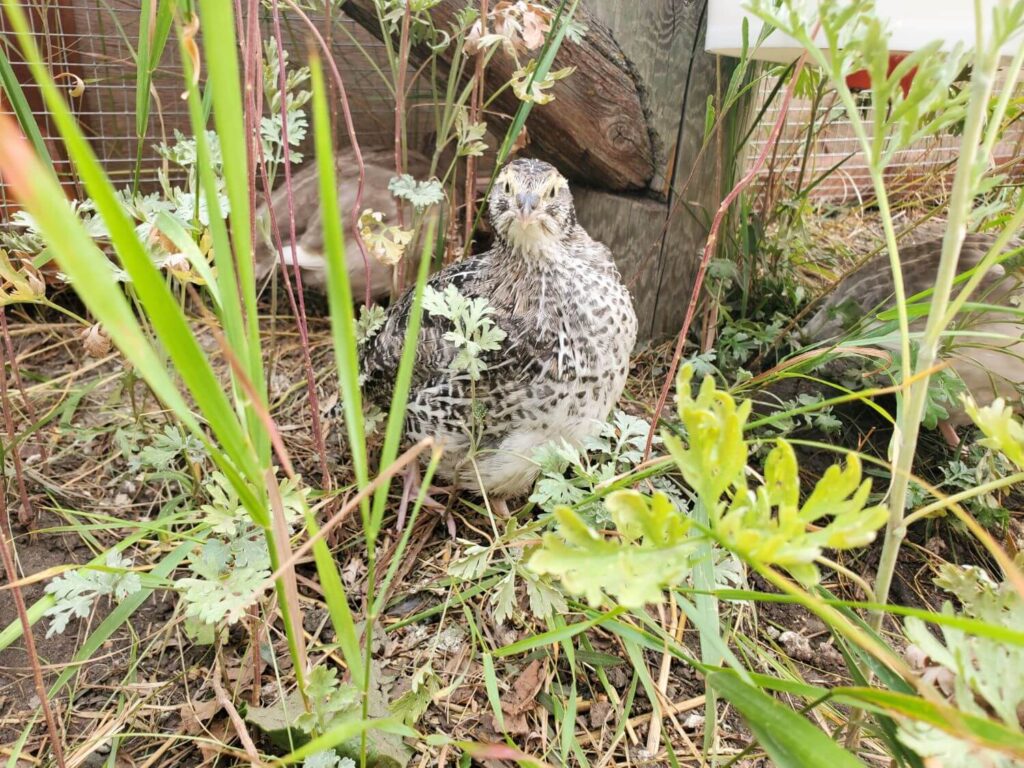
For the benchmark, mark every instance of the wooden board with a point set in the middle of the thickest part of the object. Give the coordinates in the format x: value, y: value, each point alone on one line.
x: 658, y: 241
x: 658, y: 38
x: 595, y: 130
x: 633, y: 228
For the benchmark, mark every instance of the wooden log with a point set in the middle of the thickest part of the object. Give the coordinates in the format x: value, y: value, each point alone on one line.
x: 596, y: 130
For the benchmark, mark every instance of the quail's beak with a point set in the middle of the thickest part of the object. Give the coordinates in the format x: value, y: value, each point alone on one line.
x: 527, y: 202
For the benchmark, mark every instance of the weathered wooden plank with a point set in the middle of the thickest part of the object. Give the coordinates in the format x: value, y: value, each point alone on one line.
x: 596, y: 130
x: 658, y: 244
x: 658, y: 37
x: 696, y: 190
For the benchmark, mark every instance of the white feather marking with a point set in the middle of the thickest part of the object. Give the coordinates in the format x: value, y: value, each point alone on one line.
x: 530, y: 238
x: 305, y: 259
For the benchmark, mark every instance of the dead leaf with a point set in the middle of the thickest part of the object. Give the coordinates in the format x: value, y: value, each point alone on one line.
x: 196, y: 714
x: 95, y: 341
x: 188, y: 42
x: 221, y: 732
x: 35, y: 281
x: 536, y: 24
x: 521, y: 698
x: 520, y: 142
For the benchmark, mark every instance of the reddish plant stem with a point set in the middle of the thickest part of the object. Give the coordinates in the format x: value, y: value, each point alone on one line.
x: 350, y: 128
x: 474, y: 116
x: 26, y: 626
x: 26, y: 515
x: 709, y: 249
x: 403, y: 69
x: 299, y: 306
x: 30, y: 408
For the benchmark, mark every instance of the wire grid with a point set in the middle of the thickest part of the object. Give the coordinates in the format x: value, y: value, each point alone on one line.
x: 89, y: 44
x: 924, y: 170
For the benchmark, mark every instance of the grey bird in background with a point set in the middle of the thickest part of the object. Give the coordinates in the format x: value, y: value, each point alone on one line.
x: 984, y: 347
x: 309, y: 233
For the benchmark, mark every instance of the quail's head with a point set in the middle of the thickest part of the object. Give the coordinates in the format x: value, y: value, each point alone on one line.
x: 530, y: 205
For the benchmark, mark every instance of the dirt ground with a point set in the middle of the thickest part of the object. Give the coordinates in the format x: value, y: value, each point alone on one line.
x: 150, y: 693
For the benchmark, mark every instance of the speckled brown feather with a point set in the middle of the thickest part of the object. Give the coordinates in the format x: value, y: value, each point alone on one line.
x: 570, y: 328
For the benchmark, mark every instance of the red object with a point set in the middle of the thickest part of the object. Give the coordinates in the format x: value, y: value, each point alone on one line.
x: 861, y: 81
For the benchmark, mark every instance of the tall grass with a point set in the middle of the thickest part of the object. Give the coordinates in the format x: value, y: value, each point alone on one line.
x: 229, y: 413
x: 234, y: 424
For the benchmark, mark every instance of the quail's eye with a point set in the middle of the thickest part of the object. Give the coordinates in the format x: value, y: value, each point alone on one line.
x: 507, y: 187
x: 550, y: 195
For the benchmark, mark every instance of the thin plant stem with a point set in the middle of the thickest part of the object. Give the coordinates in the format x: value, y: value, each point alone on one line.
x: 346, y: 111
x: 26, y: 625
x: 960, y: 203
x: 298, y: 301
x: 26, y: 515
x: 30, y: 407
x: 474, y: 116
x: 956, y: 498
x: 709, y: 250
x: 400, y: 96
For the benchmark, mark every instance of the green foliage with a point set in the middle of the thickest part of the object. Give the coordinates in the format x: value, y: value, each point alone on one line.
x: 234, y: 561
x: 770, y: 526
x: 474, y: 332
x: 328, y: 758
x: 531, y: 88
x: 470, y: 135
x: 985, y: 675
x: 654, y: 542
x: 420, y: 193
x: 77, y: 591
x: 328, y: 698
x: 569, y: 475
x: 412, y: 704
x: 507, y: 557
x: 371, y: 320
x: 162, y: 451
x: 271, y: 125
x: 652, y: 549
x: 1003, y: 432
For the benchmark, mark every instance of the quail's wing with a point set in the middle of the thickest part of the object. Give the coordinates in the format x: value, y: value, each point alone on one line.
x: 870, y: 289
x: 435, y: 351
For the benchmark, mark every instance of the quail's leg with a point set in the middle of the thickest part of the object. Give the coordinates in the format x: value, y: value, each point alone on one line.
x: 410, y: 489
x: 949, y: 433
x: 500, y: 509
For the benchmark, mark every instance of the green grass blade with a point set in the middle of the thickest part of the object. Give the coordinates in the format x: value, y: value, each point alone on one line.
x: 491, y: 686
x: 229, y: 301
x: 337, y: 604
x: 556, y: 635
x: 220, y: 51
x: 175, y: 232
x: 403, y: 382
x: 788, y: 738
x: 22, y: 110
x: 339, y: 291
x: 149, y: 52
x: 14, y: 761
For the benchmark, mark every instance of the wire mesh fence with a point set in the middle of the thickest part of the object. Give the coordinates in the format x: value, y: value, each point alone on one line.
x: 89, y: 47
x: 818, y: 153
